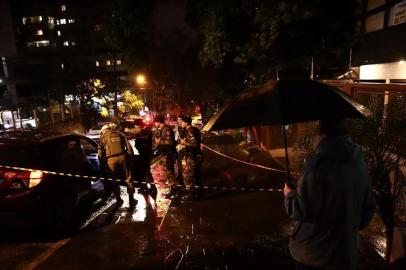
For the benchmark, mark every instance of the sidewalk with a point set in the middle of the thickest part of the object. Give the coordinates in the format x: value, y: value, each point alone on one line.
x: 241, y: 230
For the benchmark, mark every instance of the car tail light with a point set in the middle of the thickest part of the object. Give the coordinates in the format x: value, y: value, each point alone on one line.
x: 29, y: 179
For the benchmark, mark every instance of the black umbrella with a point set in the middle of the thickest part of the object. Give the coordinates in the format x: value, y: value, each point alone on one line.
x: 286, y: 102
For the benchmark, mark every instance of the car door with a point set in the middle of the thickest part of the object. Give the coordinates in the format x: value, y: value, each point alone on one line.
x: 90, y: 149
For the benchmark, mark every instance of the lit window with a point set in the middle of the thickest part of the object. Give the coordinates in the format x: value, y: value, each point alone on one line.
x: 35, y: 19
x: 51, y: 22
x: 62, y: 66
x: 108, y: 63
x: 59, y: 33
x: 66, y: 43
x: 39, y: 32
x: 73, y: 43
x: 372, y: 4
x: 71, y: 21
x: 39, y: 43
x: 97, y: 63
x: 63, y: 7
x: 375, y: 22
x: 62, y: 21
x: 98, y: 27
x: 118, y: 62
x: 24, y: 19
x: 57, y: 22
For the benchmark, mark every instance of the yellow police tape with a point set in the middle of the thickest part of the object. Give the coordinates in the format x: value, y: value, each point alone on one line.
x: 141, y: 182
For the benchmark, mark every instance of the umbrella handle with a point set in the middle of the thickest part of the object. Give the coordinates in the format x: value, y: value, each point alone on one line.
x: 290, y: 183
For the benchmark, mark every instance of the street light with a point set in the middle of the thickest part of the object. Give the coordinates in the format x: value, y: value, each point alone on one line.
x: 140, y: 79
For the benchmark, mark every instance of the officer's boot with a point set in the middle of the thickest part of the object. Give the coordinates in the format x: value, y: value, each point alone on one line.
x: 131, y: 190
x: 172, y: 191
x: 132, y: 201
x: 188, y: 195
x: 177, y: 194
x: 151, y: 190
x: 116, y: 190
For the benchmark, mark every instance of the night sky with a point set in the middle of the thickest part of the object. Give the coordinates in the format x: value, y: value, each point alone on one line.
x: 7, y: 43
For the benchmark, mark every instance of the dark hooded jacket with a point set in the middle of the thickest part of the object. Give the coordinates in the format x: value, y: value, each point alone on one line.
x: 332, y: 202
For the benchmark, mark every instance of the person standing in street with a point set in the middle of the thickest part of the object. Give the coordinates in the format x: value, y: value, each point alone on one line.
x: 180, y: 148
x: 114, y: 150
x: 166, y: 145
x: 332, y: 202
x: 194, y: 158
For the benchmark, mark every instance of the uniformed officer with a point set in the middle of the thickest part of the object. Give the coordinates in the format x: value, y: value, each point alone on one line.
x: 114, y: 150
x: 194, y: 159
x: 167, y: 146
x: 180, y: 148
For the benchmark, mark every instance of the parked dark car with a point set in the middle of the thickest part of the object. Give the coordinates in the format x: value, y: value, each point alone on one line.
x: 37, y: 197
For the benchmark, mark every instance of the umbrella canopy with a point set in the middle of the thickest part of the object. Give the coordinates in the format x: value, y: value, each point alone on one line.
x: 286, y: 102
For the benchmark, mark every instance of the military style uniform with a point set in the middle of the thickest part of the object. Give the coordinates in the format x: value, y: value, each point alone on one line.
x: 194, y: 158
x: 156, y: 133
x: 167, y: 147
x: 113, y: 151
x: 181, y: 154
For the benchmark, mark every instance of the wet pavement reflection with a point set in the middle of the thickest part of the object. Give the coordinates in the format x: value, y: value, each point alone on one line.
x: 226, y: 230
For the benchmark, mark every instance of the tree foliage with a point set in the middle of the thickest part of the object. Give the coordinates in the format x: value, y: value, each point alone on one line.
x: 382, y: 138
x: 132, y: 103
x: 273, y: 34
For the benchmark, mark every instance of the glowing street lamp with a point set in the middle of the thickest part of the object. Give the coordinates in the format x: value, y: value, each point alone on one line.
x: 140, y: 79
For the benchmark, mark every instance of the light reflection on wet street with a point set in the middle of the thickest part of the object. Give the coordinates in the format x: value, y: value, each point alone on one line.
x: 225, y: 230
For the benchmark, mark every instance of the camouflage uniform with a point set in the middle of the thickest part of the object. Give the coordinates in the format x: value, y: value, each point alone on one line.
x: 155, y: 134
x: 181, y: 154
x: 194, y: 158
x: 167, y: 146
x: 113, y: 151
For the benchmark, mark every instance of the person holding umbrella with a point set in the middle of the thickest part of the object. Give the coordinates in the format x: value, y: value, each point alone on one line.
x: 333, y: 198
x: 332, y: 201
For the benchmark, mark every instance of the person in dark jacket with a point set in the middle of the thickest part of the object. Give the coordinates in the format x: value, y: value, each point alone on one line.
x: 113, y: 153
x: 194, y: 158
x: 332, y: 202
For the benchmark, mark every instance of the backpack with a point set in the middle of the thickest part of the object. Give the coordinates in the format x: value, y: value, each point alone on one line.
x: 113, y: 144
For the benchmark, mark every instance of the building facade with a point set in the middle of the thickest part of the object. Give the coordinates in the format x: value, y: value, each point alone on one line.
x: 58, y: 43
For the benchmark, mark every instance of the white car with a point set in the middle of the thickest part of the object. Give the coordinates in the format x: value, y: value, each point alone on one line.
x: 95, y: 132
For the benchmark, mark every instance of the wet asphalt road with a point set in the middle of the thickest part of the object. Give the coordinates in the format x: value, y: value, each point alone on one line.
x: 226, y: 230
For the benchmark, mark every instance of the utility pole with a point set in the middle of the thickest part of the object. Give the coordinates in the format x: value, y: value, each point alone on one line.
x: 115, y: 107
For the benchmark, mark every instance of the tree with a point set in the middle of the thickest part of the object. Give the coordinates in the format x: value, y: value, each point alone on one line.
x: 382, y: 138
x: 143, y: 33
x: 132, y: 103
x: 262, y: 36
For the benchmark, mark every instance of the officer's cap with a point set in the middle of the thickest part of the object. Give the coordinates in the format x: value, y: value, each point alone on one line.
x: 110, y: 126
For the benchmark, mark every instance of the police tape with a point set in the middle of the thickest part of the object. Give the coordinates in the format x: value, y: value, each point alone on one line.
x: 248, y: 163
x: 97, y: 178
